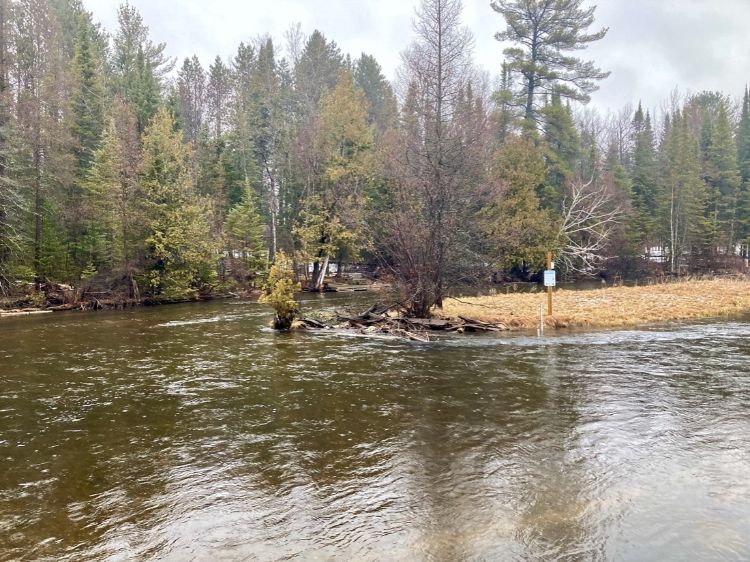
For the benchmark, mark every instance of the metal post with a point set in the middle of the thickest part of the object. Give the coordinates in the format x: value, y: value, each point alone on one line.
x: 541, y: 320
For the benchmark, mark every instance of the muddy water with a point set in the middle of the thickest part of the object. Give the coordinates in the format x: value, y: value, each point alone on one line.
x: 192, y: 432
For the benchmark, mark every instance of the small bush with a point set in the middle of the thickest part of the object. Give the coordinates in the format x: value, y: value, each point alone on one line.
x: 280, y: 291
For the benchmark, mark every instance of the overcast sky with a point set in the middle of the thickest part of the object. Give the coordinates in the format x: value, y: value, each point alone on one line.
x: 652, y: 47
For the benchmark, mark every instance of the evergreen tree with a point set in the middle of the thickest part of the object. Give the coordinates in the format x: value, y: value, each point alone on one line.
x: 317, y: 70
x: 743, y: 163
x: 563, y: 150
x: 219, y: 93
x: 181, y: 248
x: 543, y: 31
x: 645, y: 185
x: 245, y: 235
x: 331, y: 220
x: 140, y: 66
x: 518, y: 231
x: 382, y: 109
x: 688, y: 231
x: 723, y: 181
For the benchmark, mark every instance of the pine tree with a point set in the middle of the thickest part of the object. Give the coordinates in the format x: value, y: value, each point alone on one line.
x: 743, y: 163
x: 644, y: 186
x: 331, y: 220
x: 543, y: 31
x: 688, y: 231
x: 219, y: 93
x: 45, y: 146
x: 140, y: 66
x: 382, y: 109
x: 723, y: 181
x: 563, y: 150
x: 317, y: 70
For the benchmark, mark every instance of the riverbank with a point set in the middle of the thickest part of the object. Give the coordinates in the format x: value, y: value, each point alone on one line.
x: 25, y: 305
x: 610, y: 307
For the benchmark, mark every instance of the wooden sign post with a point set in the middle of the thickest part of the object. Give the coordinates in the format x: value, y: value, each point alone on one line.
x: 549, y: 282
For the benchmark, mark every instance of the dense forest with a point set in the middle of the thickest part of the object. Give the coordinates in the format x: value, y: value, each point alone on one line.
x: 127, y: 173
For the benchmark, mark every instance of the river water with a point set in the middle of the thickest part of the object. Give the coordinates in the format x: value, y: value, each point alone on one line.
x: 193, y: 432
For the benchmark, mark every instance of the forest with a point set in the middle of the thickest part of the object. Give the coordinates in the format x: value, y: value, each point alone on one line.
x: 129, y: 174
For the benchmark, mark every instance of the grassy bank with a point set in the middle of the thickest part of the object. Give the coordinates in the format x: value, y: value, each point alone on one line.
x: 610, y: 307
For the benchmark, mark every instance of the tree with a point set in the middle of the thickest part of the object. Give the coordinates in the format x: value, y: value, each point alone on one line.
x: 381, y: 102
x: 280, y: 292
x: 743, y: 163
x: 331, y: 221
x: 181, y: 249
x: 13, y: 204
x: 427, y: 237
x: 684, y: 194
x: 43, y: 126
x: 588, y: 219
x: 218, y: 97
x: 140, y: 66
x: 543, y: 32
x: 317, y: 70
x: 115, y: 214
x: 645, y: 194
x: 563, y: 151
x: 191, y: 85
x: 518, y: 231
x: 723, y: 180
x: 245, y: 235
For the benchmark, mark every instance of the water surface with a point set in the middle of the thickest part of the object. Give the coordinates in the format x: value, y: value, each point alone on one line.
x: 192, y: 432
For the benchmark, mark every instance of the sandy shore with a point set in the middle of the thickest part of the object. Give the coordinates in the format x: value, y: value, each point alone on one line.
x: 610, y: 307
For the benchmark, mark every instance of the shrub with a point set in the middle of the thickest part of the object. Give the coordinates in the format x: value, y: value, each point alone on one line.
x: 280, y: 291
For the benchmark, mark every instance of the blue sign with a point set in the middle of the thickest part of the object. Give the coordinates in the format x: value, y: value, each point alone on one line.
x: 549, y: 277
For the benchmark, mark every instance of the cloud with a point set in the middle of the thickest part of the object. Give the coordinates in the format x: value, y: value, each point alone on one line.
x: 652, y: 46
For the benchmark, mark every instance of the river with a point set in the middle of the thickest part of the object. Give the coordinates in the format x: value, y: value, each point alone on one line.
x: 193, y: 432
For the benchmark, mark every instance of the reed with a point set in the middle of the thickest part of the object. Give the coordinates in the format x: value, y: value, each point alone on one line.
x: 609, y: 307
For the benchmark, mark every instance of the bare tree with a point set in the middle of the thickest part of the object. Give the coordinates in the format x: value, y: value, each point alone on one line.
x: 295, y: 42
x: 589, y: 218
x: 191, y: 84
x: 426, y: 236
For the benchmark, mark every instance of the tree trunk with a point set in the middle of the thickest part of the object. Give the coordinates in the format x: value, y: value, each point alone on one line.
x: 321, y: 275
x: 38, y: 216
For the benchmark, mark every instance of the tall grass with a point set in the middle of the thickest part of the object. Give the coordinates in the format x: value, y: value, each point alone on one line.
x: 610, y: 307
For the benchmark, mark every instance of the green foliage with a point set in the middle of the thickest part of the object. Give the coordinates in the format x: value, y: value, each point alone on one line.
x: 182, y: 249
x: 563, y: 151
x: 518, y: 231
x: 542, y: 34
x: 280, y: 292
x: 381, y: 102
x: 688, y: 229
x: 645, y: 183
x: 245, y: 235
x: 320, y: 233
x: 139, y: 65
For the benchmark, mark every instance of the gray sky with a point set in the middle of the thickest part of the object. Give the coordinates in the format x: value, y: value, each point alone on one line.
x: 652, y: 47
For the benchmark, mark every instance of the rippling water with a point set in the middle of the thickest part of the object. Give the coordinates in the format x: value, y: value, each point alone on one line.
x: 193, y: 432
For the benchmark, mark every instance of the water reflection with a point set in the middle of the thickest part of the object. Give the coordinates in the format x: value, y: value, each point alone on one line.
x: 193, y: 432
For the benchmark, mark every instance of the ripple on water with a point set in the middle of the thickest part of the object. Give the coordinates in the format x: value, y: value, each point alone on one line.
x: 194, y: 432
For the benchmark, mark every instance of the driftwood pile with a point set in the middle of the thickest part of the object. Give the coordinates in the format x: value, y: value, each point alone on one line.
x: 378, y: 320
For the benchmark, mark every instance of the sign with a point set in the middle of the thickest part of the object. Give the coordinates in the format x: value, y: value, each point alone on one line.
x: 549, y: 277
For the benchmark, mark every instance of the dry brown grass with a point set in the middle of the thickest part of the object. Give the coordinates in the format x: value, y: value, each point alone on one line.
x: 610, y: 307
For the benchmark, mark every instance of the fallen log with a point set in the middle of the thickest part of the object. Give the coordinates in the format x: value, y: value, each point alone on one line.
x: 22, y: 312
